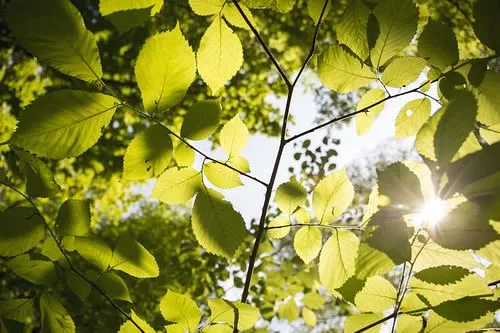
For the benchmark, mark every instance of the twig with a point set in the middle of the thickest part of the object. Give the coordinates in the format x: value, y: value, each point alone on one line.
x: 315, y: 225
x: 378, y: 322
x: 429, y: 96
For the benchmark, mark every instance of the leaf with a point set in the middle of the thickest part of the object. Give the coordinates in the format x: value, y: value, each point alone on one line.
x: 410, y: 324
x: 307, y: 243
x: 177, y: 186
x: 442, y: 274
x: 164, y: 70
x: 206, y: 7
x: 377, y: 295
x: 358, y: 321
x: 487, y: 23
x: 114, y: 286
x: 313, y: 300
x: 234, y: 18
x: 403, y: 71
x: 148, y: 155
x: 217, y: 226
x: 131, y: 257
x: 224, y: 311
x: 289, y: 196
x: 64, y: 123
x: 352, y: 30
x: 55, y: 318
x: 454, y: 126
x: 437, y: 324
x: 302, y: 215
x: 51, y: 250
x: 184, y: 155
x: 489, y: 100
x: 412, y: 117
x: 338, y: 258
x: 78, y: 285
x: 94, y: 250
x: 433, y: 255
x: 234, y: 136
x: 351, y: 288
x: 35, y: 271
x: 221, y: 176
x: 372, y: 262
x: 40, y: 181
x: 21, y: 229
x: 400, y: 185
x: 425, y: 136
x: 397, y: 20
x: 364, y: 120
x: 128, y: 14
x: 465, y: 227
x: 20, y: 309
x: 289, y: 311
x: 315, y: 7
x: 129, y: 327
x: 202, y: 120
x: 176, y: 328
x: 274, y: 232
x: 438, y: 45
x: 180, y: 309
x: 240, y: 163
x: 309, y: 317
x: 73, y: 218
x: 342, y: 72
x: 220, y: 55
x: 54, y: 32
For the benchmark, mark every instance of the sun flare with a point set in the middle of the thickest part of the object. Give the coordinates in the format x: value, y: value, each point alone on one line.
x: 432, y: 213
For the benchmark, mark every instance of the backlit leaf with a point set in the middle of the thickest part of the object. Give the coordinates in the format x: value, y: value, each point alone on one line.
x: 35, y: 271
x: 180, y: 309
x: 412, y: 117
x: 78, y: 285
x: 400, y: 185
x: 289, y: 311
x: 114, y: 286
x: 289, y: 196
x: 39, y: 179
x: 234, y: 136
x: 94, y: 250
x: 20, y: 309
x: 202, y: 120
x: 21, y: 229
x: 403, y: 71
x: 73, y: 218
x: 206, y: 7
x: 315, y: 7
x: 352, y: 29
x: 309, y: 317
x: 184, y: 155
x: 55, y: 318
x: 359, y: 321
x: 177, y: 186
x: 221, y: 176
x: 129, y: 327
x: 364, y: 120
x: 278, y: 227
x: 131, y: 257
x: 377, y: 295
x: 438, y: 45
x: 234, y: 18
x: 223, y: 311
x: 307, y: 243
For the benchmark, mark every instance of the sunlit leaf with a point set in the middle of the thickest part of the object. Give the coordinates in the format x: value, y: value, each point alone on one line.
x: 289, y: 311
x: 94, y: 250
x: 184, y: 156
x: 400, y: 185
x: 73, y: 218
x: 131, y: 257
x: 114, y: 286
x: 289, y: 196
x: 129, y: 326
x: 177, y: 186
x: 438, y: 45
x: 223, y: 311
x: 309, y: 317
x: 21, y: 229
x: 403, y: 71
x: 364, y: 120
x: 377, y: 295
x: 438, y: 324
x: 206, y: 7
x: 78, y: 285
x: 39, y: 179
x: 359, y: 321
x: 307, y: 243
x: 35, y: 271
x: 352, y: 29
x: 332, y: 196
x: 180, y: 309
x: 221, y: 176
x: 313, y: 300
x: 234, y: 18
x: 55, y: 318
x: 412, y: 117
x: 19, y: 309
x: 489, y: 100
x: 315, y: 7
x: 234, y: 136
x: 202, y: 120
x: 408, y: 323
x: 372, y: 262
x: 278, y: 227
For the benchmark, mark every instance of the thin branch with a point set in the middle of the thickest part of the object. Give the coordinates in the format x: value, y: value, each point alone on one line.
x: 334, y: 227
x: 378, y: 322
x: 429, y: 96
x: 482, y: 142
x: 263, y: 44
x: 494, y: 283
x: 66, y: 257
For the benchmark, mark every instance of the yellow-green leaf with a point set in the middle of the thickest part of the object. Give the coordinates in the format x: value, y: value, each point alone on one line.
x: 202, y: 120
x: 289, y: 196
x: 352, y: 29
x: 234, y: 136
x: 307, y: 243
x: 131, y: 257
x: 180, y: 309
x: 403, y: 71
x: 438, y: 45
x: 364, y: 121
x: 412, y: 117
x: 221, y: 176
x: 278, y: 227
x: 21, y: 229
x: 176, y: 186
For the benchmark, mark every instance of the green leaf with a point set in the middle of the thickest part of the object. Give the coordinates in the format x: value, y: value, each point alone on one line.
x: 78, y: 285
x: 377, y: 295
x: 338, y: 258
x: 356, y: 322
x: 221, y: 176
x: 202, y: 120
x: 313, y: 300
x: 412, y: 117
x: 372, y: 262
x: 315, y: 7
x: 425, y: 136
x: 409, y: 323
x: 224, y: 311
x: 487, y: 23
x: 437, y: 324
x: 64, y: 123
x: 73, y: 218
x: 125, y: 15
x: 176, y: 186
x: 465, y: 227
x: 19, y: 309
x: 307, y: 243
x: 180, y: 309
x: 403, y: 71
x: 309, y: 317
x: 454, y: 126
x: 131, y: 257
x: 240, y: 163
x: 289, y: 311
x: 442, y: 274
x: 184, y: 155
x: 351, y: 288
x: 489, y: 100
x: 302, y: 215
x: 40, y: 181
x: 114, y: 286
x: 54, y: 32
x: 176, y: 328
x: 51, y: 250
x: 234, y: 136
x: 217, y: 226
x: 35, y: 271
x: 364, y: 120
x: 400, y: 185
x: 206, y: 7
x: 55, y: 318
x: 129, y: 327
x: 332, y: 196
x: 220, y: 55
x: 276, y: 233
x: 289, y: 196
x: 21, y: 229
x: 342, y: 72
x: 107, y: 7
x: 148, y: 155
x: 433, y: 255
x: 397, y: 20
x: 234, y: 18
x: 438, y: 45
x: 94, y: 250
x: 164, y: 70
x: 352, y: 30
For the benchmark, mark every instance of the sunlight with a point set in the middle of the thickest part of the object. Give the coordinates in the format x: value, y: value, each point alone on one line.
x: 431, y: 213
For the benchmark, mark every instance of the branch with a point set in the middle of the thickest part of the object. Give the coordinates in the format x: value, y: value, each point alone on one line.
x: 334, y: 227
x: 378, y: 322
x: 59, y: 246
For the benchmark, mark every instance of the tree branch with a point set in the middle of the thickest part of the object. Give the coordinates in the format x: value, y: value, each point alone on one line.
x: 321, y: 226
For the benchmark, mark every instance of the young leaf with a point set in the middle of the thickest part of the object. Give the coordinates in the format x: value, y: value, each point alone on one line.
x: 338, y: 258
x: 433, y: 255
x: 176, y: 186
x: 409, y: 323
x: 279, y: 227
x: 234, y: 18
x: 240, y: 163
x: 332, y: 196
x: 371, y: 262
x: 289, y: 310
x: 73, y: 218
x: 342, y: 72
x: 206, y: 7
x: 412, y: 117
x: 403, y: 71
x: 55, y: 318
x: 352, y: 30
x: 356, y: 322
x: 78, y: 285
x: 54, y: 32
x: 234, y: 136
x: 307, y: 243
x: 315, y: 7
x: 131, y: 257
x: 377, y: 295
x: 129, y: 327
x: 289, y: 196
x: 148, y: 155
x: 21, y: 229
x: 364, y: 121
x: 164, y: 70
x: 217, y: 226
x: 400, y: 185
x: 114, y: 286
x: 176, y: 328
x: 40, y: 181
x: 425, y: 136
x: 438, y: 45
x: 313, y: 300
x: 21, y: 310
x: 64, y: 123
x: 221, y: 176
x: 35, y: 271
x: 487, y: 23
x: 220, y: 55
x: 224, y: 311
x: 184, y: 156
x: 489, y: 100
x: 202, y: 120
x: 309, y: 317
x: 180, y: 309
x: 92, y: 249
